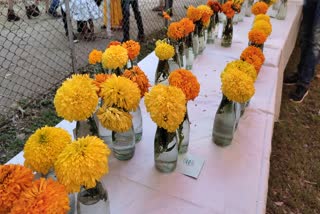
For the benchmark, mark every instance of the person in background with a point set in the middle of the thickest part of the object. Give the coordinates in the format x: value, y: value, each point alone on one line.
x: 310, y: 49
x: 11, y: 16
x: 31, y: 11
x: 53, y: 9
x: 160, y: 7
x: 126, y: 19
x: 116, y: 14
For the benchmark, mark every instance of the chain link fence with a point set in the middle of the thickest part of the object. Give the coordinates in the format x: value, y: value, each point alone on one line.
x: 38, y: 50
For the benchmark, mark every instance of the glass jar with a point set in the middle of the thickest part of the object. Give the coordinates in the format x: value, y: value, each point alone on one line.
x: 123, y: 144
x: 282, y: 11
x: 137, y: 123
x: 227, y: 33
x: 183, y: 135
x: 165, y: 150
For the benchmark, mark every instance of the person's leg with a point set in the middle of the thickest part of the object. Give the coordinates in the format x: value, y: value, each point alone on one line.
x: 310, y: 47
x: 126, y: 19
x: 137, y: 15
x: 53, y: 8
x: 64, y: 20
x: 11, y: 16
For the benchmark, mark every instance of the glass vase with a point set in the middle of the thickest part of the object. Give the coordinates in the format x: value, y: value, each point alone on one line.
x: 224, y: 123
x: 241, y: 13
x: 189, y: 58
x: 227, y: 34
x: 183, y: 133
x: 276, y: 5
x: 248, y: 5
x: 202, y: 42
x: 195, y: 45
x: 180, y: 57
x: 123, y: 144
x: 93, y: 200
x: 131, y: 63
x: 214, y: 21
x: 137, y: 123
x: 162, y: 73
x: 86, y: 127
x: 282, y: 11
x: 165, y: 150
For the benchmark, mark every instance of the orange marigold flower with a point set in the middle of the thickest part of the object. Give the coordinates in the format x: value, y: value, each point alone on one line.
x: 138, y: 76
x: 259, y: 7
x: 215, y: 5
x: 257, y: 36
x: 175, y: 31
x: 187, y: 25
x: 254, y: 56
x: 45, y: 196
x: 186, y: 81
x: 14, y: 179
x: 95, y: 57
x: 194, y: 13
x: 133, y: 48
x: 115, y: 43
x: 206, y: 13
x: 166, y: 15
x: 227, y: 9
x: 100, y: 78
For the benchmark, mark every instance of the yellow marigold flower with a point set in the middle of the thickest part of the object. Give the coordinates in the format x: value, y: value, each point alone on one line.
x: 45, y: 196
x: 114, y: 57
x: 166, y: 105
x: 138, y: 76
x: 187, y: 25
x: 133, y: 48
x: 243, y: 66
x: 120, y: 92
x: 114, y: 119
x: 264, y: 26
x: 14, y: 179
x: 206, y: 13
x: 257, y: 36
x: 186, y: 81
x: 194, y: 13
x: 43, y: 147
x: 175, y: 31
x: 227, y: 9
x: 77, y: 98
x: 254, y: 56
x: 82, y: 163
x: 237, y: 86
x: 259, y: 7
x: 262, y: 17
x: 163, y: 50
x: 95, y: 57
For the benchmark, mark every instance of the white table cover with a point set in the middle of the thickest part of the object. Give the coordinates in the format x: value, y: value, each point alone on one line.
x: 234, y: 180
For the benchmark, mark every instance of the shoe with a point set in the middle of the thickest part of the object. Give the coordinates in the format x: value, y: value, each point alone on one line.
x: 291, y: 80
x: 75, y: 38
x: 32, y: 11
x: 12, y: 17
x: 159, y: 8
x: 299, y: 94
x: 54, y: 14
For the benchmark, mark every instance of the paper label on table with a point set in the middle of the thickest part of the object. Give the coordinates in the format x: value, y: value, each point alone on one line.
x: 190, y: 165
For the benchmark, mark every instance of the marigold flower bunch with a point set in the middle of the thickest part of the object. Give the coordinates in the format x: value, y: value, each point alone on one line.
x: 254, y: 56
x: 257, y: 36
x: 262, y: 17
x: 139, y: 77
x: 264, y: 26
x: 133, y: 48
x: 113, y: 43
x: 237, y: 86
x: 95, y: 57
x: 44, y: 196
x: 242, y: 66
x: 186, y: 81
x: 43, y: 147
x: 188, y: 26
x: 206, y: 14
x: 166, y: 105
x: 77, y: 98
x: 163, y: 50
x: 176, y: 31
x: 227, y: 9
x: 194, y: 13
x: 100, y: 78
x: 14, y: 179
x: 259, y: 7
x: 166, y: 15
x: 214, y: 5
x: 82, y: 163
x: 115, y: 57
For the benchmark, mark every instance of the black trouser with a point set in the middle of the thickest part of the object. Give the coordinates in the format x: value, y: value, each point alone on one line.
x: 170, y: 4
x: 126, y: 18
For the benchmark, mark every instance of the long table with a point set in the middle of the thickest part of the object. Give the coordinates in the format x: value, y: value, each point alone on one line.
x: 233, y: 180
